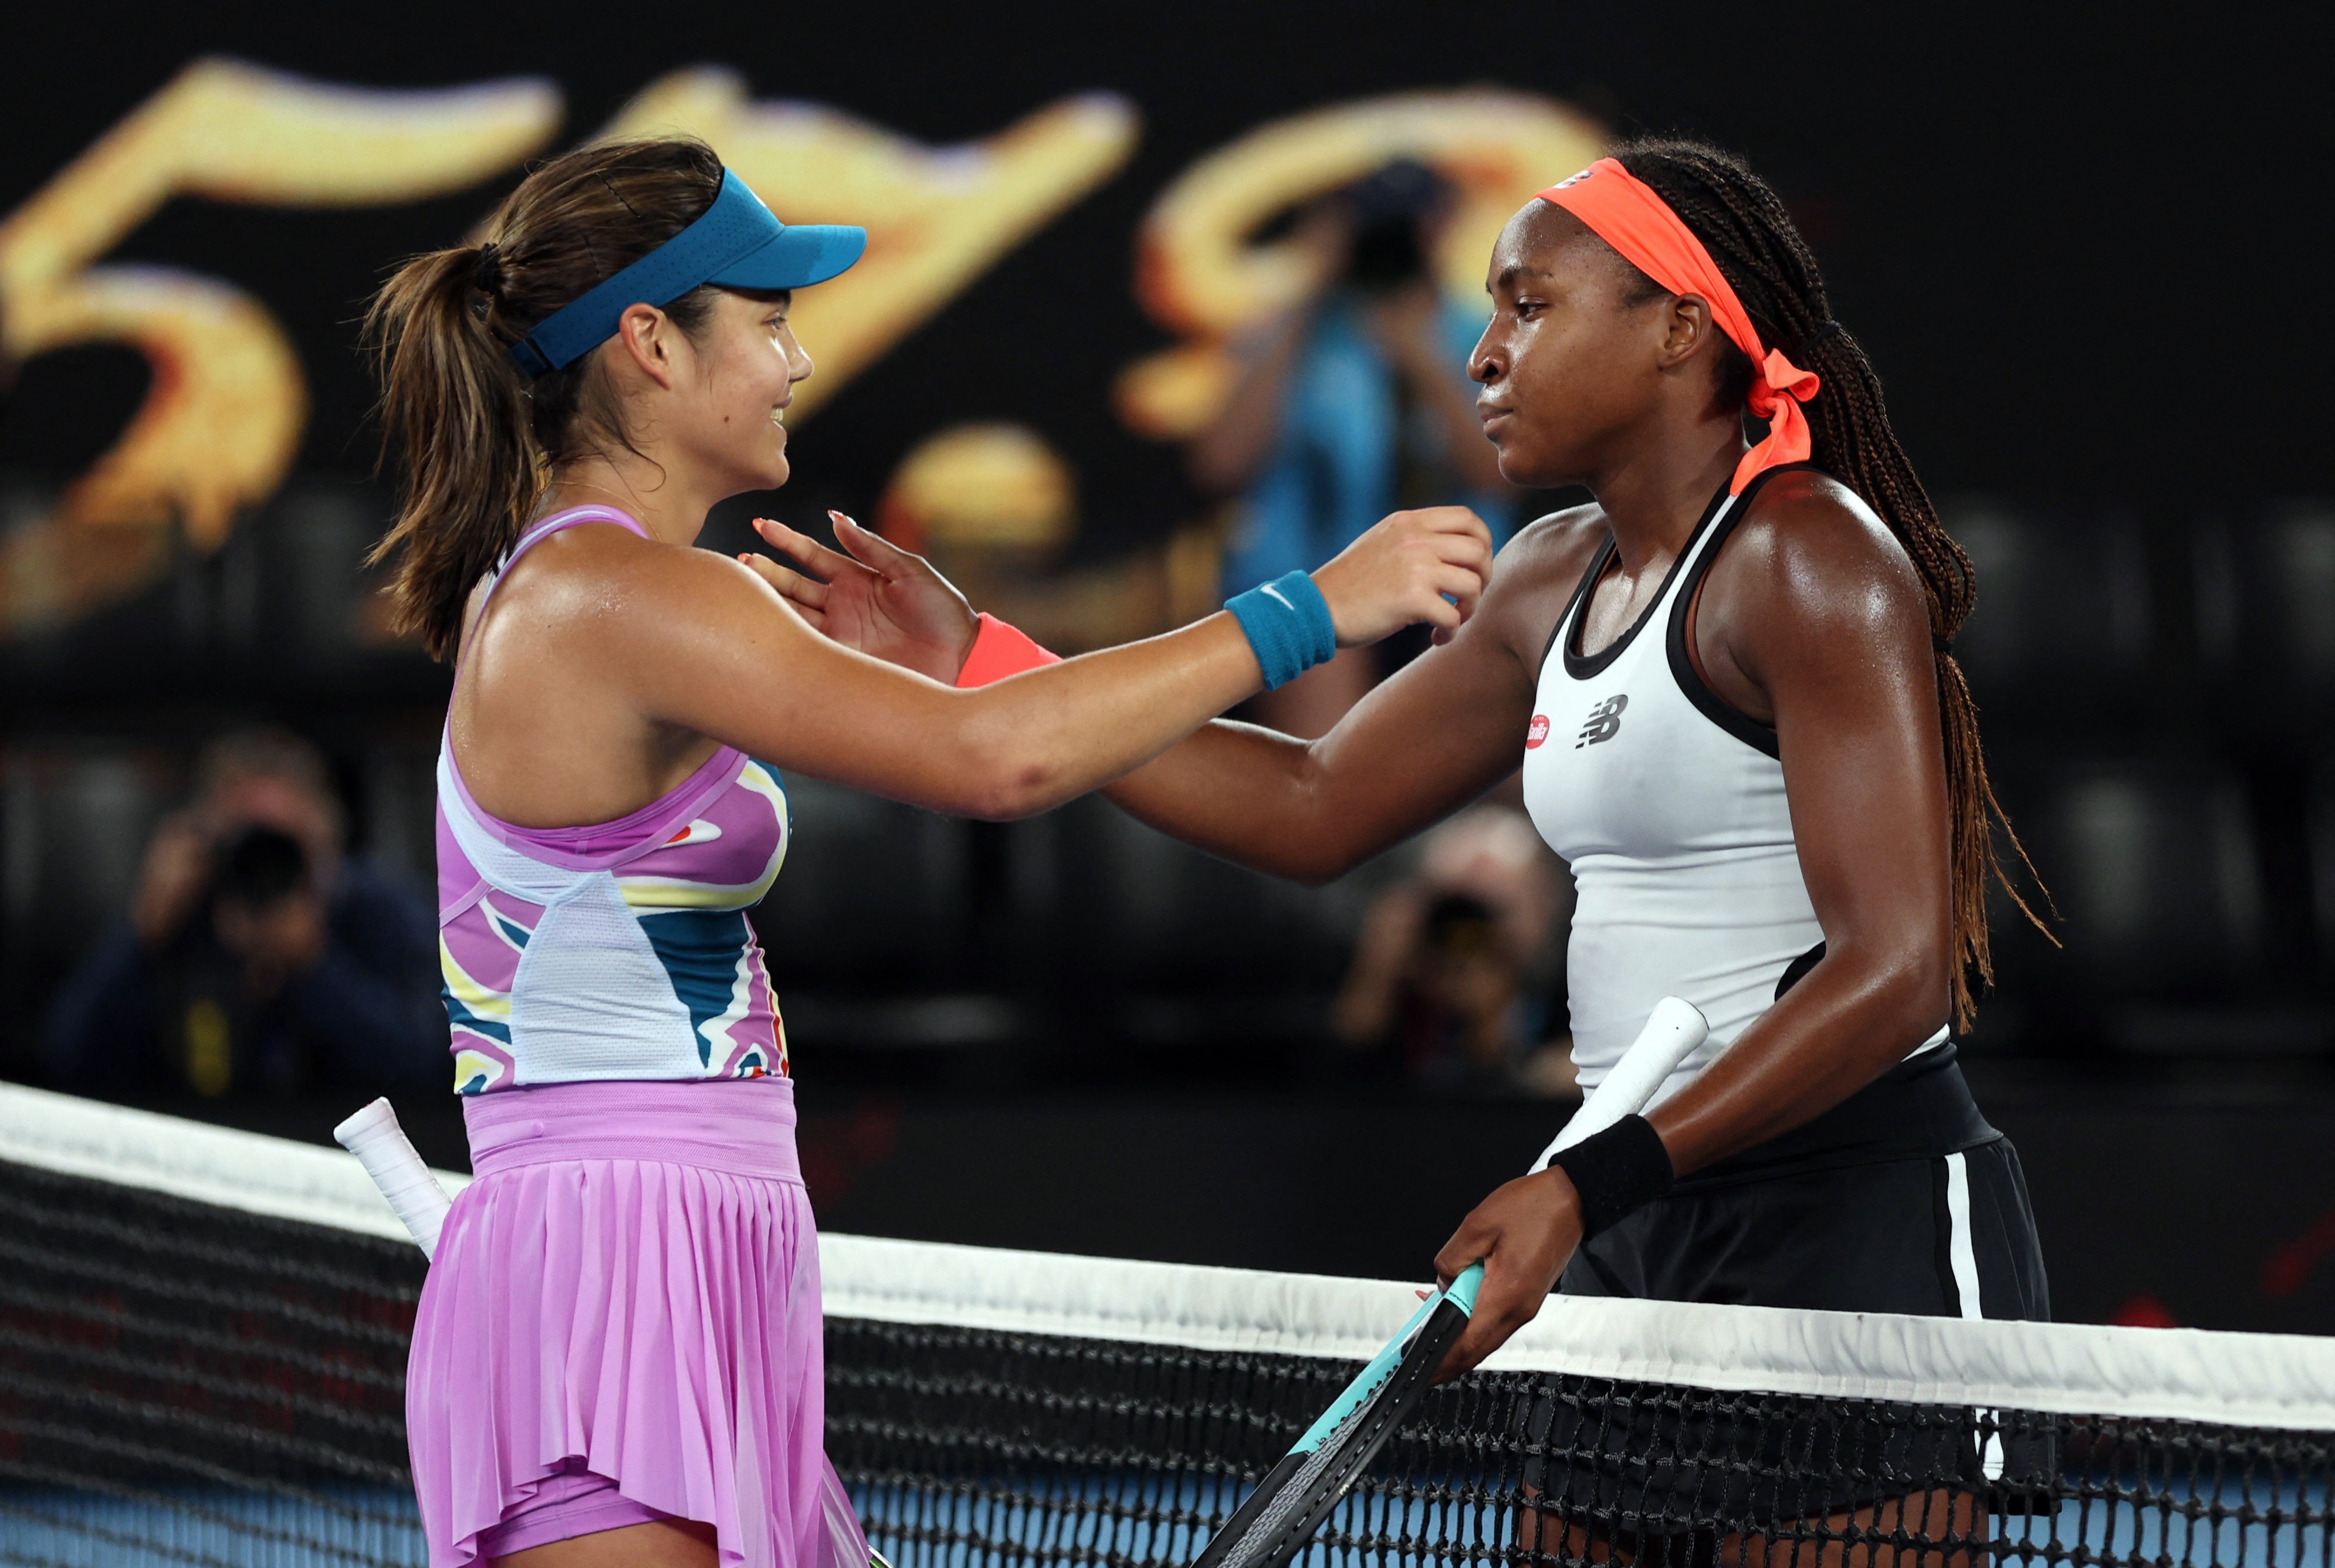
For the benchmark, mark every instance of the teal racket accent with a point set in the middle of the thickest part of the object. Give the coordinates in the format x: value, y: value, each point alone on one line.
x: 1461, y: 1294
x: 1273, y: 1522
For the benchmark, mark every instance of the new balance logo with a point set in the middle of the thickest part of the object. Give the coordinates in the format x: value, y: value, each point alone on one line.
x: 1604, y: 721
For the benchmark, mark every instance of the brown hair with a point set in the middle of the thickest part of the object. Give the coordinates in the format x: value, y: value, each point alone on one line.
x: 1745, y: 226
x: 479, y: 440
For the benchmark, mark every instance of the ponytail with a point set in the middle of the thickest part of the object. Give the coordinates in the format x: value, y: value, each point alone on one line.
x: 1749, y: 233
x: 478, y: 442
x: 453, y: 403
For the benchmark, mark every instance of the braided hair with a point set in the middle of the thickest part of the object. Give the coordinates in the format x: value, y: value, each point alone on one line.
x: 1747, y: 232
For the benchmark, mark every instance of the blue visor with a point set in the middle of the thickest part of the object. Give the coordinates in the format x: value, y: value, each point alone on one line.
x: 736, y: 244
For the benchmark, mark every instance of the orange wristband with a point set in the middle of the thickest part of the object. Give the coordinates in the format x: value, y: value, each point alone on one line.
x: 999, y: 651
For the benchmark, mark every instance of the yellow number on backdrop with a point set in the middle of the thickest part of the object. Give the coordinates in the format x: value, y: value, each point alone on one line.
x: 222, y: 418
x: 1198, y: 272
x: 936, y: 217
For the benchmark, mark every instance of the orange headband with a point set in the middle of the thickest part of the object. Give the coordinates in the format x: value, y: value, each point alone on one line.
x: 1626, y: 213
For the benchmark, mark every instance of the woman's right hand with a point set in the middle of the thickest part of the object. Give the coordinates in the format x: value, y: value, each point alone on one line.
x: 1400, y: 573
x: 879, y: 599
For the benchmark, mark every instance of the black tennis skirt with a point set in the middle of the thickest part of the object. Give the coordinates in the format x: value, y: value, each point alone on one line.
x: 1900, y: 1199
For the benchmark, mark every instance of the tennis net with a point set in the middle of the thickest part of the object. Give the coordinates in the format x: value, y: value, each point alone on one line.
x: 201, y: 1354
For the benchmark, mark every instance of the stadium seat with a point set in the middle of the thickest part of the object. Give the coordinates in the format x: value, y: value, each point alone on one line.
x: 2320, y: 838
x: 2153, y: 866
x: 315, y: 540
x: 2266, y: 615
x: 72, y: 837
x: 873, y: 895
x: 2066, y: 627
x: 1150, y: 927
x: 393, y: 782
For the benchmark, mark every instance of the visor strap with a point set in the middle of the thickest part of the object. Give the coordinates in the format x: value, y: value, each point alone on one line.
x: 735, y: 226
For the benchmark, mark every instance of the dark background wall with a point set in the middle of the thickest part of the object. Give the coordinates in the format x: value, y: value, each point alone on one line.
x: 2080, y: 245
x: 2085, y: 250
x: 2161, y: 1199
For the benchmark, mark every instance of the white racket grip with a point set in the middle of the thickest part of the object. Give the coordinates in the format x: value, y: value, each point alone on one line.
x: 380, y: 1145
x: 1672, y: 1030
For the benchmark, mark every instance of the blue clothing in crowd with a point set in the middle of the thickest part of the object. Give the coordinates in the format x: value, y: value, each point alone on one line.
x: 1339, y: 465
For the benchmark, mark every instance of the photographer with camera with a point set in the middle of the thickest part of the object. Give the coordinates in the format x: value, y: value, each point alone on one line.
x: 257, y: 957
x: 1352, y: 405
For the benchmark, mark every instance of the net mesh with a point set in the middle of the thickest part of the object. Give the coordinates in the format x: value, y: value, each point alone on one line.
x: 980, y: 1446
x: 191, y: 1382
x: 180, y: 1382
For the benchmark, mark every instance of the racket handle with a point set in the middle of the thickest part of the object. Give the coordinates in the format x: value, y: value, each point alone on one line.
x: 380, y: 1145
x: 1673, y: 1031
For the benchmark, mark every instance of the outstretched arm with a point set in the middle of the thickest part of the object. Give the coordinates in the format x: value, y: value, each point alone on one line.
x: 1444, y: 729
x: 705, y: 646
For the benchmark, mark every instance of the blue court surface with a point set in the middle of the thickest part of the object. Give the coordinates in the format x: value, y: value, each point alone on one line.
x: 1149, y: 1520
x: 1130, y: 1520
x: 210, y: 1528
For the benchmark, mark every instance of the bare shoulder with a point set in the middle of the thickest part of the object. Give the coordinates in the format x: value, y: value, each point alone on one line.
x: 1811, y: 551
x: 1556, y: 540
x: 1538, y: 569
x: 604, y: 591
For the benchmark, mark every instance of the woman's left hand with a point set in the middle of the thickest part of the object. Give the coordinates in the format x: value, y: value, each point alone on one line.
x: 879, y: 599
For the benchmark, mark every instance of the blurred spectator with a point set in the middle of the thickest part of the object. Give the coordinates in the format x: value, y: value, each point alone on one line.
x: 1354, y: 404
x: 1458, y: 967
x: 257, y: 957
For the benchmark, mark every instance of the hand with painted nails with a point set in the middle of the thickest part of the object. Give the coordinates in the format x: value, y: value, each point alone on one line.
x: 878, y: 598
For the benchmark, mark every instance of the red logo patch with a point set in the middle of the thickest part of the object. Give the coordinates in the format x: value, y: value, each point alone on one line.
x: 1537, y: 733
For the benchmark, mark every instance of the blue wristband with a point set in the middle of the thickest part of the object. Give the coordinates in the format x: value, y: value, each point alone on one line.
x: 1288, y: 625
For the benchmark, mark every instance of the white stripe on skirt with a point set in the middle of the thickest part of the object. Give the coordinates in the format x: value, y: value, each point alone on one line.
x: 1962, y: 1252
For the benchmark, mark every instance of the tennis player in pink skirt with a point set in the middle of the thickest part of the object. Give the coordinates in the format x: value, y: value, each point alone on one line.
x: 617, y: 1355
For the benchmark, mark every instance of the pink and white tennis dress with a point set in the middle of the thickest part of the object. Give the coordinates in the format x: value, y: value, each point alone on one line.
x: 621, y: 1321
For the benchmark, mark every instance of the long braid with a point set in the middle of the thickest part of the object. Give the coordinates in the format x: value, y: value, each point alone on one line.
x: 1752, y: 236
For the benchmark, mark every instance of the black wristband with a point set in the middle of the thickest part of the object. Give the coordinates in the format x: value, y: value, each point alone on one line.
x: 1615, y: 1171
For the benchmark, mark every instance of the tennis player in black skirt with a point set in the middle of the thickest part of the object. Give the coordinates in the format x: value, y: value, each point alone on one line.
x: 1730, y: 683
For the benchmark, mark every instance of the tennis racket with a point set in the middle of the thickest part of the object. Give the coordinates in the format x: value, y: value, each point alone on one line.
x: 380, y: 1145
x: 1280, y: 1516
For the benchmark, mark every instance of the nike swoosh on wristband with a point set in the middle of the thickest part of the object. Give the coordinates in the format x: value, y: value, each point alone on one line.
x: 1278, y: 598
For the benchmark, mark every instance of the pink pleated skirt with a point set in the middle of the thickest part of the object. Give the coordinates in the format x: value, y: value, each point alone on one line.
x: 622, y: 1323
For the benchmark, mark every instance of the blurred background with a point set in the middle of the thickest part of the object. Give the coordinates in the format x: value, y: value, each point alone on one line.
x: 1152, y: 304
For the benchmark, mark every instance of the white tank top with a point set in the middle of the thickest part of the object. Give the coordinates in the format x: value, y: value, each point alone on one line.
x: 1670, y: 806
